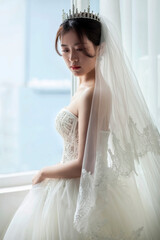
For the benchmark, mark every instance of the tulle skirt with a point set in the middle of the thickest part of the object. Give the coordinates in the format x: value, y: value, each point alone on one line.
x: 132, y: 210
x: 47, y: 212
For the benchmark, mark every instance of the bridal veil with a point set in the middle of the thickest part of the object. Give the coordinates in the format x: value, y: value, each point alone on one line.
x: 121, y: 163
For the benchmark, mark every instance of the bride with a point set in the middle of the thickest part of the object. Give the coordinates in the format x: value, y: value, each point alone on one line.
x: 106, y: 185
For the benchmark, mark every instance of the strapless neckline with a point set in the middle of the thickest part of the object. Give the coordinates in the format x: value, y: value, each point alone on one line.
x: 65, y: 109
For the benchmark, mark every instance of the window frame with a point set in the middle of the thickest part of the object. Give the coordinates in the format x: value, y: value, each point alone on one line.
x: 19, y: 181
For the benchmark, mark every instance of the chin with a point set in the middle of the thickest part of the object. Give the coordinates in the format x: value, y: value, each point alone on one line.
x: 77, y: 74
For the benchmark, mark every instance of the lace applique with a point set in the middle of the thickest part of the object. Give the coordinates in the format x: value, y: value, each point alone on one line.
x: 70, y: 150
x: 92, y: 186
x: 147, y: 141
x: 135, y: 235
x: 141, y: 143
x: 84, y: 200
x: 87, y: 203
x: 67, y: 125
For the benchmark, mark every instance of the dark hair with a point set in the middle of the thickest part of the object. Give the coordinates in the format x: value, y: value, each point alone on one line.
x: 82, y: 26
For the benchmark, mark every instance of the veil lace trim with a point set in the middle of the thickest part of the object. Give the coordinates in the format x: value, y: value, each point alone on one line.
x: 123, y: 158
x: 95, y: 184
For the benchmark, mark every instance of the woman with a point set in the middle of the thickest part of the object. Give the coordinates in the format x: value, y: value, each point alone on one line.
x: 48, y: 210
x: 106, y: 186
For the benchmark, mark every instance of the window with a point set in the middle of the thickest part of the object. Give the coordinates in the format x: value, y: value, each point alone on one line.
x: 36, y: 86
x: 34, y: 83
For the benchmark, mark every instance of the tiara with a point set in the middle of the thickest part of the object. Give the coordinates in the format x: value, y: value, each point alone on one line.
x: 76, y: 14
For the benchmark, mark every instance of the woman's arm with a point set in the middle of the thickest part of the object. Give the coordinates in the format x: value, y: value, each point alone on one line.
x: 72, y: 169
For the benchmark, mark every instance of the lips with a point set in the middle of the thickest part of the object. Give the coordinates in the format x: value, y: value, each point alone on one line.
x: 75, y: 67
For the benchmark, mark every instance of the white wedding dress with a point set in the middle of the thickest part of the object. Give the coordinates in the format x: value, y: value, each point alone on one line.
x: 47, y: 212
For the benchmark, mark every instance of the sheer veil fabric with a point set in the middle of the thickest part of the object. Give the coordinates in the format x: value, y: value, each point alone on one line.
x: 119, y: 197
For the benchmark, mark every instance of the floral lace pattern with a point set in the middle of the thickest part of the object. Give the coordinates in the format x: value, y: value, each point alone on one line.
x: 93, y: 185
x: 86, y: 204
x: 141, y: 143
x: 67, y: 125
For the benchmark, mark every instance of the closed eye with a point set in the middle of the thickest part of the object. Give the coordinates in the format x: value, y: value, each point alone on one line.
x: 65, y: 50
x: 79, y: 49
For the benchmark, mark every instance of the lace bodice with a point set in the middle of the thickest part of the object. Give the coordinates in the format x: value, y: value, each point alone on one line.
x: 67, y: 125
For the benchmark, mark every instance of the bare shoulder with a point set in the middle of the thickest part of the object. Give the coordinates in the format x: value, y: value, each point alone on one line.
x: 84, y: 104
x: 86, y: 98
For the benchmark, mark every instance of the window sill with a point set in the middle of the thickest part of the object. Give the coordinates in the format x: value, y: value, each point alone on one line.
x: 15, y: 180
x: 15, y: 189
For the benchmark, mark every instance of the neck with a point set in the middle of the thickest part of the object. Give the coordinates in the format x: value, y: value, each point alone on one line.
x: 89, y: 77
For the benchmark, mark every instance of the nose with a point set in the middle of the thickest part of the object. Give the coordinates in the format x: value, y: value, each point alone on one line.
x: 73, y: 56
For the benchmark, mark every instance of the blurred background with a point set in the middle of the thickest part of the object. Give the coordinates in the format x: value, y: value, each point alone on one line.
x: 35, y: 83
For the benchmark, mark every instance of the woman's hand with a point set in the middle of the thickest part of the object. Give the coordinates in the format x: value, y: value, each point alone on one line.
x: 38, y: 178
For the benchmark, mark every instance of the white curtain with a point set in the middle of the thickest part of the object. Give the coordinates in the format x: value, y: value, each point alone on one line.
x: 138, y: 24
x: 12, y: 58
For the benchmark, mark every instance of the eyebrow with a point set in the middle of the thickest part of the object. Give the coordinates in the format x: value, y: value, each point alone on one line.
x: 64, y: 45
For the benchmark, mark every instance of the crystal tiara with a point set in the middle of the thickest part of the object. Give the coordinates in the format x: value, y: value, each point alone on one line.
x: 76, y: 14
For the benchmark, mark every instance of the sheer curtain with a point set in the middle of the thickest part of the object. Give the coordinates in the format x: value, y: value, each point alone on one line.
x: 138, y: 25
